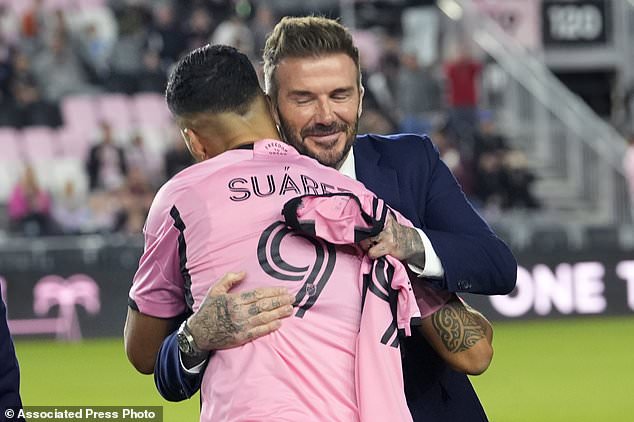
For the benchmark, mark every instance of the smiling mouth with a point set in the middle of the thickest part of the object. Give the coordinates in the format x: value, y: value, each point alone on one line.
x: 326, y: 138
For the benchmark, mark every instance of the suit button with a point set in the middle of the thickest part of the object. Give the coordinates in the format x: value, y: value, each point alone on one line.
x: 464, y: 285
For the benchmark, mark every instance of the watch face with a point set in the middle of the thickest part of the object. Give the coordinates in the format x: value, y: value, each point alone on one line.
x: 183, y: 344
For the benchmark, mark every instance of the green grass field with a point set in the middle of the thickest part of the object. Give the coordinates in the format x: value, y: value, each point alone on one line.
x: 560, y: 371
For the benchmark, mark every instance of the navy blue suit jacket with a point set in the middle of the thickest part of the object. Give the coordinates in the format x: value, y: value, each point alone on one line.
x: 406, y: 171
x: 9, y: 371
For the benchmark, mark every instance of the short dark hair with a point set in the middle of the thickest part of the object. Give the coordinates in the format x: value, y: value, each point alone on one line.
x: 212, y: 79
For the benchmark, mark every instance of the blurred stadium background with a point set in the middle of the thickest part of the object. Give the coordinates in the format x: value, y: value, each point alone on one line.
x: 530, y: 102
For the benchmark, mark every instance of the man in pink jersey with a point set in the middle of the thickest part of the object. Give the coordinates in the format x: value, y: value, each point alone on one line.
x: 224, y: 214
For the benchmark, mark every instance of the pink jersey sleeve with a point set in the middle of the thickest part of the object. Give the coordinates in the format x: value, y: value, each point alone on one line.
x: 158, y: 287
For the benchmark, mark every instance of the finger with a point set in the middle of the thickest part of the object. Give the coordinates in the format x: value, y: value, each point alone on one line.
x: 226, y: 283
x: 262, y: 293
x: 270, y: 316
x: 269, y: 304
x: 259, y: 331
x: 366, y: 244
x: 377, y: 251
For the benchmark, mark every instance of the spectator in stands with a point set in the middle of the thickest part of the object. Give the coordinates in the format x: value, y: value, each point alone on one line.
x: 70, y: 210
x: 261, y: 26
x: 27, y: 107
x: 9, y: 25
x: 144, y: 160
x: 135, y: 197
x: 417, y: 95
x: 32, y: 19
x: 177, y: 158
x: 518, y: 179
x: 236, y: 33
x: 59, y: 72
x: 166, y: 37
x: 450, y: 154
x: 199, y: 28
x: 29, y: 206
x: 152, y: 78
x: 628, y: 166
x: 127, y: 54
x: 94, y: 51
x: 105, y: 213
x: 107, y: 167
x: 462, y: 75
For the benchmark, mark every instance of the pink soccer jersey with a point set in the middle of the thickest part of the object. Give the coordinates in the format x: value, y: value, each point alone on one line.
x: 223, y: 215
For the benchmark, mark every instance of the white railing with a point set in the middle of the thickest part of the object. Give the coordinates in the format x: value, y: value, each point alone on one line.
x: 578, y: 155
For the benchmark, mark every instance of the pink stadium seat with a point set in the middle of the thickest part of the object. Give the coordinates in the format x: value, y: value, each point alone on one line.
x: 39, y: 143
x: 115, y: 109
x: 9, y: 145
x: 19, y: 6
x: 151, y: 111
x: 74, y: 143
x: 90, y: 4
x: 59, y: 4
x: 79, y: 112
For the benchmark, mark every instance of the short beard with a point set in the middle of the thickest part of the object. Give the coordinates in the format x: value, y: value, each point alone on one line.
x: 298, y: 143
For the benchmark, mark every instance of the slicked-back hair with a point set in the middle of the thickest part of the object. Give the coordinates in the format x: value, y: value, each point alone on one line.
x: 212, y: 79
x: 307, y: 36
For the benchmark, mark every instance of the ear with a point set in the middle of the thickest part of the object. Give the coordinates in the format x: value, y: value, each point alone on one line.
x: 361, y: 92
x: 194, y: 144
x: 273, y: 111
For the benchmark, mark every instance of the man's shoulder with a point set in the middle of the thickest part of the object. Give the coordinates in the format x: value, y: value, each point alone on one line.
x: 395, y: 144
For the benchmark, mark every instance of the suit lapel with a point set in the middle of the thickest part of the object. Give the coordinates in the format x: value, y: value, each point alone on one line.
x: 381, y: 180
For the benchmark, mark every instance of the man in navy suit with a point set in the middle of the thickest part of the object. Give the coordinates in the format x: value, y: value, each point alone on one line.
x: 313, y: 79
x: 9, y: 371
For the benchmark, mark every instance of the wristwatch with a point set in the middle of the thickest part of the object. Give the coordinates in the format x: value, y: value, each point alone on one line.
x: 186, y: 343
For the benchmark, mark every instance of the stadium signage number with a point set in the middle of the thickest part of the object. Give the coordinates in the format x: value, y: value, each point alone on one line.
x: 574, y: 23
x: 578, y: 288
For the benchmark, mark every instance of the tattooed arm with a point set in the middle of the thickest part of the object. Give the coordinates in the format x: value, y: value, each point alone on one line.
x: 224, y: 320
x: 461, y: 335
x: 400, y: 241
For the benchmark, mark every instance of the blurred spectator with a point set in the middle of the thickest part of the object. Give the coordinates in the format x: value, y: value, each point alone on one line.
x: 70, y: 210
x: 166, y: 37
x: 373, y: 121
x: 198, y: 28
x: 489, y: 190
x: 59, y: 72
x: 177, y: 158
x: 136, y: 198
x: 32, y: 21
x: 29, y: 206
x: 152, y: 78
x: 462, y: 80
x: 236, y: 33
x: 261, y: 26
x: 6, y: 70
x: 519, y: 180
x: 127, y: 54
x: 9, y: 25
x: 418, y: 95
x: 94, y: 51
x: 628, y: 166
x: 105, y: 211
x: 488, y: 138
x: 106, y: 167
x: 26, y: 106
x: 144, y: 160
x: 450, y: 154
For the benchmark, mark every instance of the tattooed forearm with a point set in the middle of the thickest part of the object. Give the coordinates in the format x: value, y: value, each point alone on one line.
x: 410, y: 244
x: 458, y: 326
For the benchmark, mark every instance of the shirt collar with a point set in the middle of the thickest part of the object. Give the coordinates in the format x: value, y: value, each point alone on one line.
x: 347, y: 167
